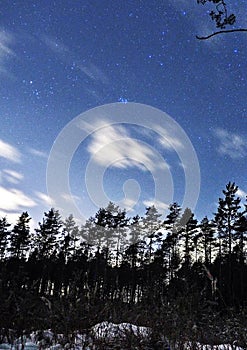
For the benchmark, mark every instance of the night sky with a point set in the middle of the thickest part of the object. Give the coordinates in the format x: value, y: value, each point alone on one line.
x: 59, y: 59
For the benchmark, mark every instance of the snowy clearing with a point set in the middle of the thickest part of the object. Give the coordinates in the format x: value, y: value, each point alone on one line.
x: 47, y: 340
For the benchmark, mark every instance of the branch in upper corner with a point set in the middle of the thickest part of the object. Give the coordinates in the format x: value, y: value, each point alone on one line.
x: 220, y: 14
x: 221, y: 32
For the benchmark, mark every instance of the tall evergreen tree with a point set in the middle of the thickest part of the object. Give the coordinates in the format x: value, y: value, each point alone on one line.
x: 47, y: 235
x: 241, y: 234
x: 151, y: 227
x: 4, y: 233
x: 108, y: 228
x: 135, y: 250
x: 171, y: 241
x: 92, y: 234
x: 105, y: 228
x: 207, y: 239
x: 69, y: 237
x: 20, y: 237
x: 120, y: 225
x: 227, y: 217
x: 188, y: 231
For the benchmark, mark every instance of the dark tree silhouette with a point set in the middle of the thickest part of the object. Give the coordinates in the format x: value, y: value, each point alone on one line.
x: 171, y: 241
x: 4, y: 233
x: 188, y: 231
x: 227, y: 218
x: 151, y: 227
x: 69, y: 239
x: 20, y: 237
x: 207, y: 239
x: 47, y: 235
x: 177, y: 275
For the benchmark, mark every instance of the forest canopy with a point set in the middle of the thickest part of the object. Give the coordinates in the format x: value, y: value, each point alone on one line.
x: 115, y: 267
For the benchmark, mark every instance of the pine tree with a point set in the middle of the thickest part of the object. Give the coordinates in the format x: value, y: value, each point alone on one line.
x: 207, y: 239
x: 69, y: 239
x: 47, y: 247
x: 241, y: 234
x: 108, y: 229
x: 188, y: 231
x: 20, y: 237
x: 47, y: 235
x: 239, y: 251
x: 105, y: 229
x: 171, y: 241
x: 151, y: 227
x: 92, y: 234
x: 4, y: 233
x: 120, y: 226
x: 227, y: 217
x: 135, y: 249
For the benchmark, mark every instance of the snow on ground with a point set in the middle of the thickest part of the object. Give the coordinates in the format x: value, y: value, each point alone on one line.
x: 101, y: 331
x: 121, y: 330
x: 199, y: 346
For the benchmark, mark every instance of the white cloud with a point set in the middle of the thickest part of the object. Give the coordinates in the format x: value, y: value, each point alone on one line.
x: 38, y: 153
x: 11, y: 217
x: 242, y: 194
x: 168, y: 140
x: 5, y: 52
x: 128, y: 204
x: 67, y: 56
x: 5, y: 39
x: 93, y: 72
x: 44, y: 199
x: 112, y: 145
x: 231, y: 144
x: 12, y: 176
x: 13, y: 199
x: 9, y: 152
x: 69, y: 197
x: 159, y: 205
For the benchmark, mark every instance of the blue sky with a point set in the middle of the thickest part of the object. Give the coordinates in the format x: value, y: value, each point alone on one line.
x: 61, y: 59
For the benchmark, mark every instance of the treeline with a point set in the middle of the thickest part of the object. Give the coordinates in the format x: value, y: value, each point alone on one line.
x: 177, y: 272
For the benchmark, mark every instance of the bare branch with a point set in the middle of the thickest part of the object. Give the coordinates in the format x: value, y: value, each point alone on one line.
x: 221, y: 32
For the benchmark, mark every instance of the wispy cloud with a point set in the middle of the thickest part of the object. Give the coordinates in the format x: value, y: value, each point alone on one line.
x: 44, y: 199
x: 242, y: 194
x: 69, y: 57
x: 159, y: 205
x: 112, y: 145
x: 14, y: 200
x: 5, y: 51
x: 231, y: 144
x: 12, y: 176
x: 70, y: 197
x: 128, y: 204
x: 169, y: 140
x: 38, y: 153
x: 9, y: 152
